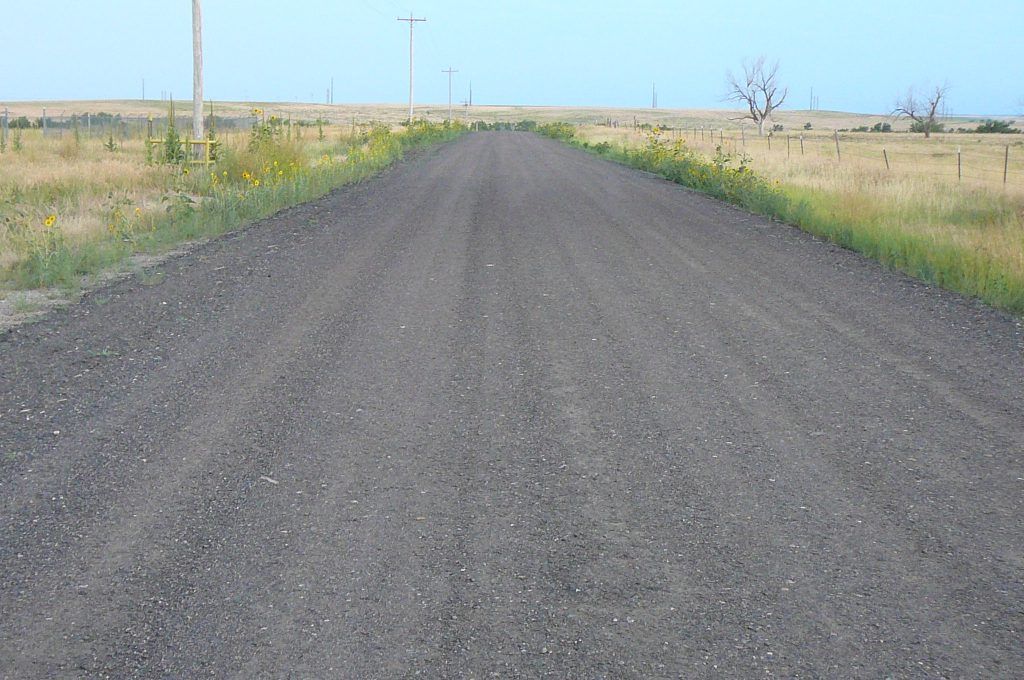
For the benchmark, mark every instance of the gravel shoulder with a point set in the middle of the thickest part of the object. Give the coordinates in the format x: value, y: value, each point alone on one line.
x: 511, y: 410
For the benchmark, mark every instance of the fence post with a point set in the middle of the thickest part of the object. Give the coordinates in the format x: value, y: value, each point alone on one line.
x: 959, y: 165
x: 743, y: 136
x: 44, y: 121
x: 769, y: 141
x: 886, y: 157
x: 787, y: 147
x: 721, y: 135
x: 839, y: 157
x: 801, y: 144
x: 1006, y: 161
x: 4, y: 127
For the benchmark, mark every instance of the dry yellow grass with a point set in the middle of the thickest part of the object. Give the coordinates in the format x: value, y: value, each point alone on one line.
x: 393, y: 113
x: 81, y: 182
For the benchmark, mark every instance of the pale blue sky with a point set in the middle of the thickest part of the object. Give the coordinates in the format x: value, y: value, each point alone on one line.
x: 857, y: 57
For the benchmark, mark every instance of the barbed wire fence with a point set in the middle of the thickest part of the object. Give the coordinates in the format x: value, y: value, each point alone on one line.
x: 995, y: 163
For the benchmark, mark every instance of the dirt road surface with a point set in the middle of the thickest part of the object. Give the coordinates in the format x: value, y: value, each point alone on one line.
x: 510, y: 410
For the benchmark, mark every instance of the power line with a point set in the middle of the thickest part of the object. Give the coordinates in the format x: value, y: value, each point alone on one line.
x: 412, y: 22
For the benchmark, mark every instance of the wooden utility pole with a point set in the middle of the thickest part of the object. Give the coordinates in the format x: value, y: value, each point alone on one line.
x: 412, y: 22
x: 450, y: 71
x: 197, y: 70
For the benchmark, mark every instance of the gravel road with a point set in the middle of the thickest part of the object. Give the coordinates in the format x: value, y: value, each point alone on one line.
x: 510, y: 410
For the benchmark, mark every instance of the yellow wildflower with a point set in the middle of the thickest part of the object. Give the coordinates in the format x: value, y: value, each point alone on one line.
x: 50, y: 221
x: 255, y: 182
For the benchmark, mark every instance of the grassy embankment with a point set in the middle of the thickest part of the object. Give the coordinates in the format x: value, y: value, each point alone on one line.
x: 963, y: 234
x: 71, y: 207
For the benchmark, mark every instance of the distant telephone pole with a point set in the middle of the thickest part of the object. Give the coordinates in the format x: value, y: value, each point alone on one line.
x: 450, y: 71
x: 412, y: 22
x: 197, y: 70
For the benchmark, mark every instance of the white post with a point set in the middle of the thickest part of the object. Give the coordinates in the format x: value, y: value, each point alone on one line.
x: 412, y: 22
x: 197, y: 71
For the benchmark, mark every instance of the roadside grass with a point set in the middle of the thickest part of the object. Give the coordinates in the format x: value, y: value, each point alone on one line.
x: 71, y: 207
x: 967, y: 237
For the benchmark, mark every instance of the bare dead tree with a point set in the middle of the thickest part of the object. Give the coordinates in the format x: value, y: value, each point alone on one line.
x: 758, y: 90
x: 921, y: 110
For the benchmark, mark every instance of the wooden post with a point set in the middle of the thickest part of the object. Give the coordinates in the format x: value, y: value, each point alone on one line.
x: 44, y: 121
x: 743, y: 136
x: 839, y: 157
x: 886, y: 157
x: 197, y: 71
x: 1006, y: 158
x: 5, y: 124
x: 801, y: 144
x: 959, y: 165
x: 721, y: 135
x: 769, y: 141
x: 787, y: 147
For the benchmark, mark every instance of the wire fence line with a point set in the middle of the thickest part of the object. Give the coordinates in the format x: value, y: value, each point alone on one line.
x: 966, y: 159
x: 138, y: 127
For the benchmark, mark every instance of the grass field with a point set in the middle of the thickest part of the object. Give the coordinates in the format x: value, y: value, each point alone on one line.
x: 344, y: 114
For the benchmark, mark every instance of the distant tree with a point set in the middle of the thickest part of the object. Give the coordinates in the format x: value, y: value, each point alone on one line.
x: 997, y: 126
x: 758, y: 91
x: 922, y: 110
x: 927, y: 127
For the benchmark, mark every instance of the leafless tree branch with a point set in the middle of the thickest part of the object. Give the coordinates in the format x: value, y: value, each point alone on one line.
x: 921, y: 109
x: 757, y: 90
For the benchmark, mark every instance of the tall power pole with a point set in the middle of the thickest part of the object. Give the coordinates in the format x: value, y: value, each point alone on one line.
x: 449, y: 72
x: 197, y: 70
x: 412, y: 22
